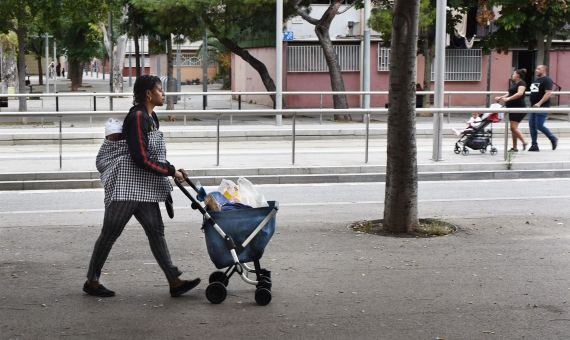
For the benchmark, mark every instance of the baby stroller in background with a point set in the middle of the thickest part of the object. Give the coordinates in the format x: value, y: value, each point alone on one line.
x: 480, y: 137
x: 234, y: 238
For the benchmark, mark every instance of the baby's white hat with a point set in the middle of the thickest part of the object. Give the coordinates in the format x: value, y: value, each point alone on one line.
x: 112, y: 126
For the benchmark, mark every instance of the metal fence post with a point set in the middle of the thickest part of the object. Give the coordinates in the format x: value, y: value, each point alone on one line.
x: 367, y: 117
x: 218, y: 140
x: 448, y: 105
x: 94, y: 109
x: 239, y: 101
x: 60, y: 134
x: 506, y: 152
x: 293, y: 144
x: 321, y: 107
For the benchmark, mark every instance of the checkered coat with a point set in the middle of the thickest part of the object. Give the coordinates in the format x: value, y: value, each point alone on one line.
x: 123, y: 180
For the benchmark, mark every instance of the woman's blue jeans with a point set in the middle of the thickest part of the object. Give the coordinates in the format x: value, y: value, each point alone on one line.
x: 535, y: 124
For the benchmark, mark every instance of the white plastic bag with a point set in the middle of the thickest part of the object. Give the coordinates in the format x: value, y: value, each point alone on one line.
x: 230, y: 190
x: 249, y: 195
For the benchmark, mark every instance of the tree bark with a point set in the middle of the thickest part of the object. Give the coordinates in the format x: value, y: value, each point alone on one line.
x: 322, y: 27
x: 21, y: 34
x: 170, y: 74
x: 547, y: 47
x: 401, y: 196
x: 137, y: 54
x: 540, y: 49
x: 252, y: 61
x: 40, y: 70
x: 428, y: 57
x: 75, y: 73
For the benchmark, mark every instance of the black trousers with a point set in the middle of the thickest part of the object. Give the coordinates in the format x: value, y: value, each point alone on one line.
x: 117, y: 215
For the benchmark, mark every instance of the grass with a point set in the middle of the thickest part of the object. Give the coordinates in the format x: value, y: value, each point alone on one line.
x: 428, y: 227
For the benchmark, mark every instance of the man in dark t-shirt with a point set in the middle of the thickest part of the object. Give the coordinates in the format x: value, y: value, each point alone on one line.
x: 540, y: 93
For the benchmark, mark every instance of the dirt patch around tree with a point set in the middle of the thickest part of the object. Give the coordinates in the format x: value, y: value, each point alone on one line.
x: 428, y: 227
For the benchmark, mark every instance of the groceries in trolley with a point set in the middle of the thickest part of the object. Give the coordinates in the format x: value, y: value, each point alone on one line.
x: 232, y: 196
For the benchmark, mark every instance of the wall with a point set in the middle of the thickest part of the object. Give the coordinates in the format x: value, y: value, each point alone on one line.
x: 245, y: 78
x: 560, y: 72
x: 187, y: 73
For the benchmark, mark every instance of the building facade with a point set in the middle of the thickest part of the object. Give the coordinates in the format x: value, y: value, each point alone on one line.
x: 304, y: 67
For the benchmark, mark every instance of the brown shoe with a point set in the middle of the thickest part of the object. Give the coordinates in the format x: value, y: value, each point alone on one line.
x: 97, y: 290
x: 183, y: 287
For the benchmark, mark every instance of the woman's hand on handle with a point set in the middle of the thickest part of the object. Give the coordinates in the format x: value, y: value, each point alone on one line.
x: 180, y: 176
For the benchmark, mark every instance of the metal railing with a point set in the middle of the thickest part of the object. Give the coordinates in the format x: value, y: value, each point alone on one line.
x: 293, y: 112
x: 312, y: 59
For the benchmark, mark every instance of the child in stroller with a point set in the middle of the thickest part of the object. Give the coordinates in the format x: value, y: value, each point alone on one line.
x: 479, y: 134
x: 472, y: 123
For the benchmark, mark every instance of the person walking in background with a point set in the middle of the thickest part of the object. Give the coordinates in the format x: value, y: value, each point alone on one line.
x: 515, y: 98
x: 540, y: 93
x: 135, y: 181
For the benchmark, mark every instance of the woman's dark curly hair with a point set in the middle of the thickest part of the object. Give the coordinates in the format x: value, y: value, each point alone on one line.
x: 142, y: 84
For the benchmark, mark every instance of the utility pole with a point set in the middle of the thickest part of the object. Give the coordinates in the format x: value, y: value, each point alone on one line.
x: 142, y: 55
x: 366, y: 56
x: 178, y: 67
x: 54, y: 66
x: 47, y: 63
x: 130, y: 64
x: 489, y: 65
x: 205, y: 69
x: 111, y: 66
x: 440, y: 33
x: 279, y: 61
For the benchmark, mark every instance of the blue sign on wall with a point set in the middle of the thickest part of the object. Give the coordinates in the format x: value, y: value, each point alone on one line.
x: 288, y: 36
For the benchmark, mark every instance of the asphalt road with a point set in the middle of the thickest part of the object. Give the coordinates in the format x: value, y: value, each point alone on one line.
x: 503, y: 275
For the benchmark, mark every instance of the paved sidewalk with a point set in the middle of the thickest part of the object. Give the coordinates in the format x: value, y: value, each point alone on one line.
x: 503, y: 276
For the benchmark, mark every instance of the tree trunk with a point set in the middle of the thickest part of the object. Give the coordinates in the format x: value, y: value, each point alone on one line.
x: 21, y: 34
x: 170, y: 74
x: 337, y: 83
x: 428, y: 57
x: 401, y: 197
x: 540, y: 49
x: 547, y: 47
x: 137, y: 54
x: 75, y: 73
x: 40, y: 70
x: 322, y: 26
x: 252, y: 61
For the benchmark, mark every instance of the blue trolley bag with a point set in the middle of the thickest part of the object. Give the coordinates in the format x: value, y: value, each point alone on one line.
x: 239, y: 224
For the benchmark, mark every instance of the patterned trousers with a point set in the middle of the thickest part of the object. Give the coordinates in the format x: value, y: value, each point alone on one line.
x: 117, y: 214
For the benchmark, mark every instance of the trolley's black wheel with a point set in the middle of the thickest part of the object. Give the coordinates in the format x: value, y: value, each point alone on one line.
x: 457, y: 149
x: 265, y: 272
x: 262, y: 296
x: 219, y: 277
x: 483, y: 150
x: 464, y: 152
x: 216, y: 292
x: 493, y: 151
x: 264, y: 282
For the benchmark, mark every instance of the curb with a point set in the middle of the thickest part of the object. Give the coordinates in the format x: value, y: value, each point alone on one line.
x: 88, y: 182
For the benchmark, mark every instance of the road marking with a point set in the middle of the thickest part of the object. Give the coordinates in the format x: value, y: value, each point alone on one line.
x: 307, y: 204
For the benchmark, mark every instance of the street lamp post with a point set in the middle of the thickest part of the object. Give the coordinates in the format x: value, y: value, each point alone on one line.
x: 279, y: 61
x: 47, y: 63
x: 440, y: 33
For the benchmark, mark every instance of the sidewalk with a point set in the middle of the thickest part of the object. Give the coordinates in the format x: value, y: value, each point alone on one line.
x: 503, y: 276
